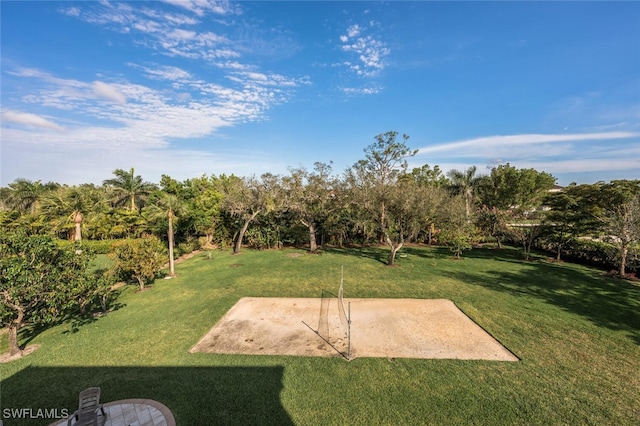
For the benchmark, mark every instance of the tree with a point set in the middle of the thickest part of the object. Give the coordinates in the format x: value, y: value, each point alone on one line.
x: 25, y: 195
x: 515, y: 194
x: 518, y: 190
x: 425, y: 175
x: 141, y: 258
x: 246, y: 198
x: 309, y: 197
x: 39, y: 282
x: 166, y: 206
x: 619, y: 212
x: 204, y: 198
x: 566, y: 219
x: 456, y: 231
x: 376, y: 188
x: 67, y: 207
x: 493, y: 222
x: 464, y: 183
x: 526, y: 232
x: 128, y: 188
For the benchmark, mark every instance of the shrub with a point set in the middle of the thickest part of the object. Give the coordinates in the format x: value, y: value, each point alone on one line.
x: 141, y: 258
x: 595, y: 253
x: 188, y: 246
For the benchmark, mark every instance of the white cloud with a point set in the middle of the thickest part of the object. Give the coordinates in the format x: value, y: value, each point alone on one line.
x: 169, y: 34
x: 510, y: 141
x: 200, y: 7
x: 29, y: 119
x: 583, y: 165
x: 570, y: 156
x: 164, y: 72
x: 361, y: 90
x: 142, y: 116
x: 93, y: 163
x: 369, y: 51
x: 353, y: 31
x: 109, y: 92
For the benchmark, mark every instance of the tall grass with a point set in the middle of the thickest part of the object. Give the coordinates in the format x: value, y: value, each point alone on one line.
x: 577, y: 334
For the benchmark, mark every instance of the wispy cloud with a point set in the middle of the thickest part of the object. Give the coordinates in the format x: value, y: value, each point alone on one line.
x: 112, y: 114
x: 109, y: 92
x: 201, y: 7
x: 31, y: 120
x: 510, y: 141
x: 559, y: 154
x: 360, y: 90
x: 168, y: 33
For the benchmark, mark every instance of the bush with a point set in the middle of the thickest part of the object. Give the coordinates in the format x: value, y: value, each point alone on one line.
x: 595, y: 253
x: 141, y: 258
x: 186, y: 247
x: 94, y: 246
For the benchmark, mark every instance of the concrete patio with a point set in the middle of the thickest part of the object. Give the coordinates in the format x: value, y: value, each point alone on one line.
x: 134, y: 412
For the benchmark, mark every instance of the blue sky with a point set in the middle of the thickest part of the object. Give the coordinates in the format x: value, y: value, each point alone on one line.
x: 196, y: 87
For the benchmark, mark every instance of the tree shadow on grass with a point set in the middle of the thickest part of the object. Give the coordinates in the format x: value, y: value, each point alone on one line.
x: 195, y: 395
x: 606, y: 302
x: 27, y: 333
x: 378, y: 254
x: 381, y: 253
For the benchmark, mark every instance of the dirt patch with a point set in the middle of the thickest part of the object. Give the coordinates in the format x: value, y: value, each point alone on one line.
x: 5, y: 357
x: 391, y: 328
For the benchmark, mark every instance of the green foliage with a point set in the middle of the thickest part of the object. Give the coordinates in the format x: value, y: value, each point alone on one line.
x: 458, y: 239
x: 425, y: 175
x: 492, y: 222
x: 93, y: 246
x: 456, y: 231
x: 128, y: 188
x: 141, y: 259
x: 188, y: 246
x: 598, y: 253
x: 41, y: 282
x: 510, y: 188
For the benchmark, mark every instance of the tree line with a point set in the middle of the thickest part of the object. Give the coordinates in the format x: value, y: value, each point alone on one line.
x: 378, y: 200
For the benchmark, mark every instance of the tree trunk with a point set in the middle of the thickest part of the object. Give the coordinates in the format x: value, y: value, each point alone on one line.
x: 77, y: 221
x: 313, y: 246
x: 499, y: 243
x: 141, y: 282
x: 558, y: 252
x: 524, y: 250
x: 238, y: 244
x: 172, y: 271
x: 14, y: 349
x: 392, y: 254
x: 624, y: 251
x: 467, y: 208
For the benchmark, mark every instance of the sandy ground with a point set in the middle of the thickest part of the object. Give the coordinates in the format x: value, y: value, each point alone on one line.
x: 393, y: 328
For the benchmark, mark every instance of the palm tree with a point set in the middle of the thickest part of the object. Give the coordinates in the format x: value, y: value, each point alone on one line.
x: 167, y: 205
x: 127, y: 187
x: 465, y: 182
x: 67, y: 207
x: 25, y: 195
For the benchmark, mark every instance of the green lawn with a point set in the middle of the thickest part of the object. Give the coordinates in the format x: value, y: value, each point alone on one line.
x: 577, y: 334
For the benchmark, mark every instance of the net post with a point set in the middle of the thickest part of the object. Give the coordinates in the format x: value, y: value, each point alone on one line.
x: 349, y: 332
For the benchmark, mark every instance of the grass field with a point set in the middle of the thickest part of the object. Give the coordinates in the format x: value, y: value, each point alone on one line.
x: 577, y: 334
